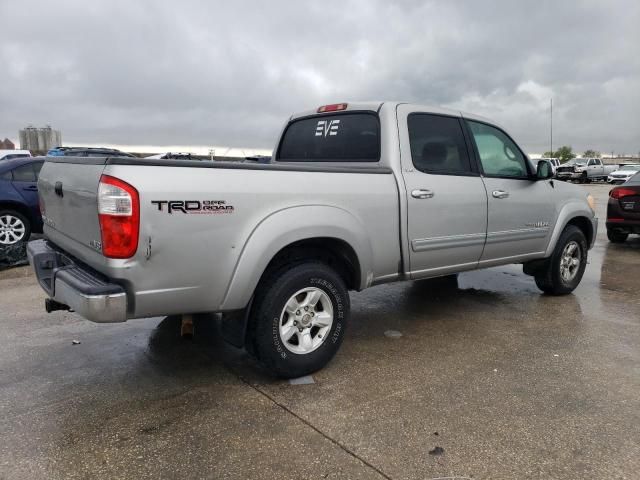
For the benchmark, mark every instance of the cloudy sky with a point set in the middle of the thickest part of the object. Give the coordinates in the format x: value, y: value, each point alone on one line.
x: 229, y: 73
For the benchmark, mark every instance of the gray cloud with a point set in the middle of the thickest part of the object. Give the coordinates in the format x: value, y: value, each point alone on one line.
x: 207, y: 73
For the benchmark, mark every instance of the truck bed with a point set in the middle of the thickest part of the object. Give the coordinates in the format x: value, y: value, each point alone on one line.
x: 198, y: 218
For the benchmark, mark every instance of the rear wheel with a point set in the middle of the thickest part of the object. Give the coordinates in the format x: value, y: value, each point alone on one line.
x: 298, y: 319
x: 565, y: 267
x: 14, y: 227
x: 616, y: 236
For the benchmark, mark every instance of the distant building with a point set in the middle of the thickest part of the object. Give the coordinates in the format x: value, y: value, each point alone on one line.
x: 7, y: 144
x: 39, y: 139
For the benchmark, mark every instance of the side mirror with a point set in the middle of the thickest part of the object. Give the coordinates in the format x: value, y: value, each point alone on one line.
x: 544, y: 170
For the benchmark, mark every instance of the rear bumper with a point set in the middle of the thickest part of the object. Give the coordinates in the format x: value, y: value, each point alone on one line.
x: 70, y: 283
x: 624, y: 225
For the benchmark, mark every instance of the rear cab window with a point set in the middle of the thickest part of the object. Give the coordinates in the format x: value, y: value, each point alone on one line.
x: 344, y: 137
x: 438, y: 145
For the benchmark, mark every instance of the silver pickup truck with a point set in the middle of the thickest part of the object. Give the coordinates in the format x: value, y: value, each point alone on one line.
x: 355, y: 195
x: 584, y: 170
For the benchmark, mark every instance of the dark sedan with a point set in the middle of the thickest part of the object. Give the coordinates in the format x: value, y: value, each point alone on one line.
x: 623, y: 210
x: 19, y: 208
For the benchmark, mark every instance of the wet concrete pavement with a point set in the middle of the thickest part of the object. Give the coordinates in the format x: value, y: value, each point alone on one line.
x: 510, y: 383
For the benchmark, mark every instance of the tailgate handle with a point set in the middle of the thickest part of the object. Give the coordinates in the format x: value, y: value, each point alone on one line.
x: 58, y: 189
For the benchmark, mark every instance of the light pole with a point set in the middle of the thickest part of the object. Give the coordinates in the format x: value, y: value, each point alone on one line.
x: 551, y: 127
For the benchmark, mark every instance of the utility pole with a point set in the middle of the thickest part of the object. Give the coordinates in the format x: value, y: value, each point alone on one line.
x: 551, y: 129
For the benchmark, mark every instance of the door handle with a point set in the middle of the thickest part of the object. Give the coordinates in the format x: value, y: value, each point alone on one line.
x: 500, y: 194
x: 421, y: 193
x: 31, y: 188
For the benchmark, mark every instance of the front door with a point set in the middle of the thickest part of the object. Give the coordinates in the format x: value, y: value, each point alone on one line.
x: 521, y: 209
x: 446, y: 199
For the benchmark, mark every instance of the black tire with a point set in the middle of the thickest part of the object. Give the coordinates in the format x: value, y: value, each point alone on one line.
x: 274, y: 291
x: 25, y: 221
x: 585, y: 178
x: 549, y: 279
x: 615, y: 236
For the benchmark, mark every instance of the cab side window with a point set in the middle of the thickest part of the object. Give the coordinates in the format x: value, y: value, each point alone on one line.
x: 438, y: 145
x: 499, y: 156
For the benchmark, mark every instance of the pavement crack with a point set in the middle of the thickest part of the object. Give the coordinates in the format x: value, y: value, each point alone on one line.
x: 341, y: 446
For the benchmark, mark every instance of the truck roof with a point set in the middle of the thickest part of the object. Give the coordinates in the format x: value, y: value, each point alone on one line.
x: 375, y: 106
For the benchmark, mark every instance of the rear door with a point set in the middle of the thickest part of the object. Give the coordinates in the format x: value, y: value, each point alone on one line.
x: 446, y: 199
x: 594, y: 166
x: 521, y: 209
x: 25, y: 178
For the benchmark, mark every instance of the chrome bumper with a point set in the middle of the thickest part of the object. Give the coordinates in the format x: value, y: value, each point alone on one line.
x: 567, y: 175
x: 76, y: 286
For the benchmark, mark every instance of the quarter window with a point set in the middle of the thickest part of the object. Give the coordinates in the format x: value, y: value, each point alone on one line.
x: 499, y: 155
x: 437, y: 144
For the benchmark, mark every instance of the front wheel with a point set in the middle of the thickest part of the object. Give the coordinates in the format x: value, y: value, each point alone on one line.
x: 565, y: 267
x: 298, y: 319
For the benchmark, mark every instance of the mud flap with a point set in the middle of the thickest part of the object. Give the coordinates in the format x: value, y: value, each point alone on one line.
x: 534, y: 267
x: 234, y: 327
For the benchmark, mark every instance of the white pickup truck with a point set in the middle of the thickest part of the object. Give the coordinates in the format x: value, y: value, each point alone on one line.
x: 584, y: 170
x: 355, y: 195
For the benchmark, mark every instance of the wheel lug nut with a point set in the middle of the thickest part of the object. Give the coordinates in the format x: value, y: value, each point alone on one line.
x: 313, y: 314
x: 297, y: 312
x: 295, y: 322
x: 306, y: 309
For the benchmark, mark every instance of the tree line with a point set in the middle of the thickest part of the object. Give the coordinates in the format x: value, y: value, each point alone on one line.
x: 565, y: 153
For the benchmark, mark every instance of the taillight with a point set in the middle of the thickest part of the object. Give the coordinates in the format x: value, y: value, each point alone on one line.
x: 622, y: 192
x: 119, y: 213
x: 335, y: 107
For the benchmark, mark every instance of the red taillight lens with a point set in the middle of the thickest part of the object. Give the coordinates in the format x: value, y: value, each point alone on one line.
x: 119, y: 213
x: 622, y: 192
x: 332, y: 108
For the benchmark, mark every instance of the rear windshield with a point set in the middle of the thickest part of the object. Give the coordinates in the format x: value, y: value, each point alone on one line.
x: 346, y: 137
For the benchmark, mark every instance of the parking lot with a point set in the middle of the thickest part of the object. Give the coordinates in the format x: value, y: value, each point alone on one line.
x: 508, y: 383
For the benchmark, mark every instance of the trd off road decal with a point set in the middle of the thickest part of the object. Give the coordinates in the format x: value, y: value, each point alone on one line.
x: 325, y: 128
x: 197, y: 207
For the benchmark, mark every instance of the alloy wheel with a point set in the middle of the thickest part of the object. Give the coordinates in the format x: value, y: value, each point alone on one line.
x: 12, y: 229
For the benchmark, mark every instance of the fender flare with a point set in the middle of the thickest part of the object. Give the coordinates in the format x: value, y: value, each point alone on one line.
x: 284, y: 227
x: 568, y: 212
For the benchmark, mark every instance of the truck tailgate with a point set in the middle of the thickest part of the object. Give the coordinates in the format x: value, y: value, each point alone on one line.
x: 68, y: 193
